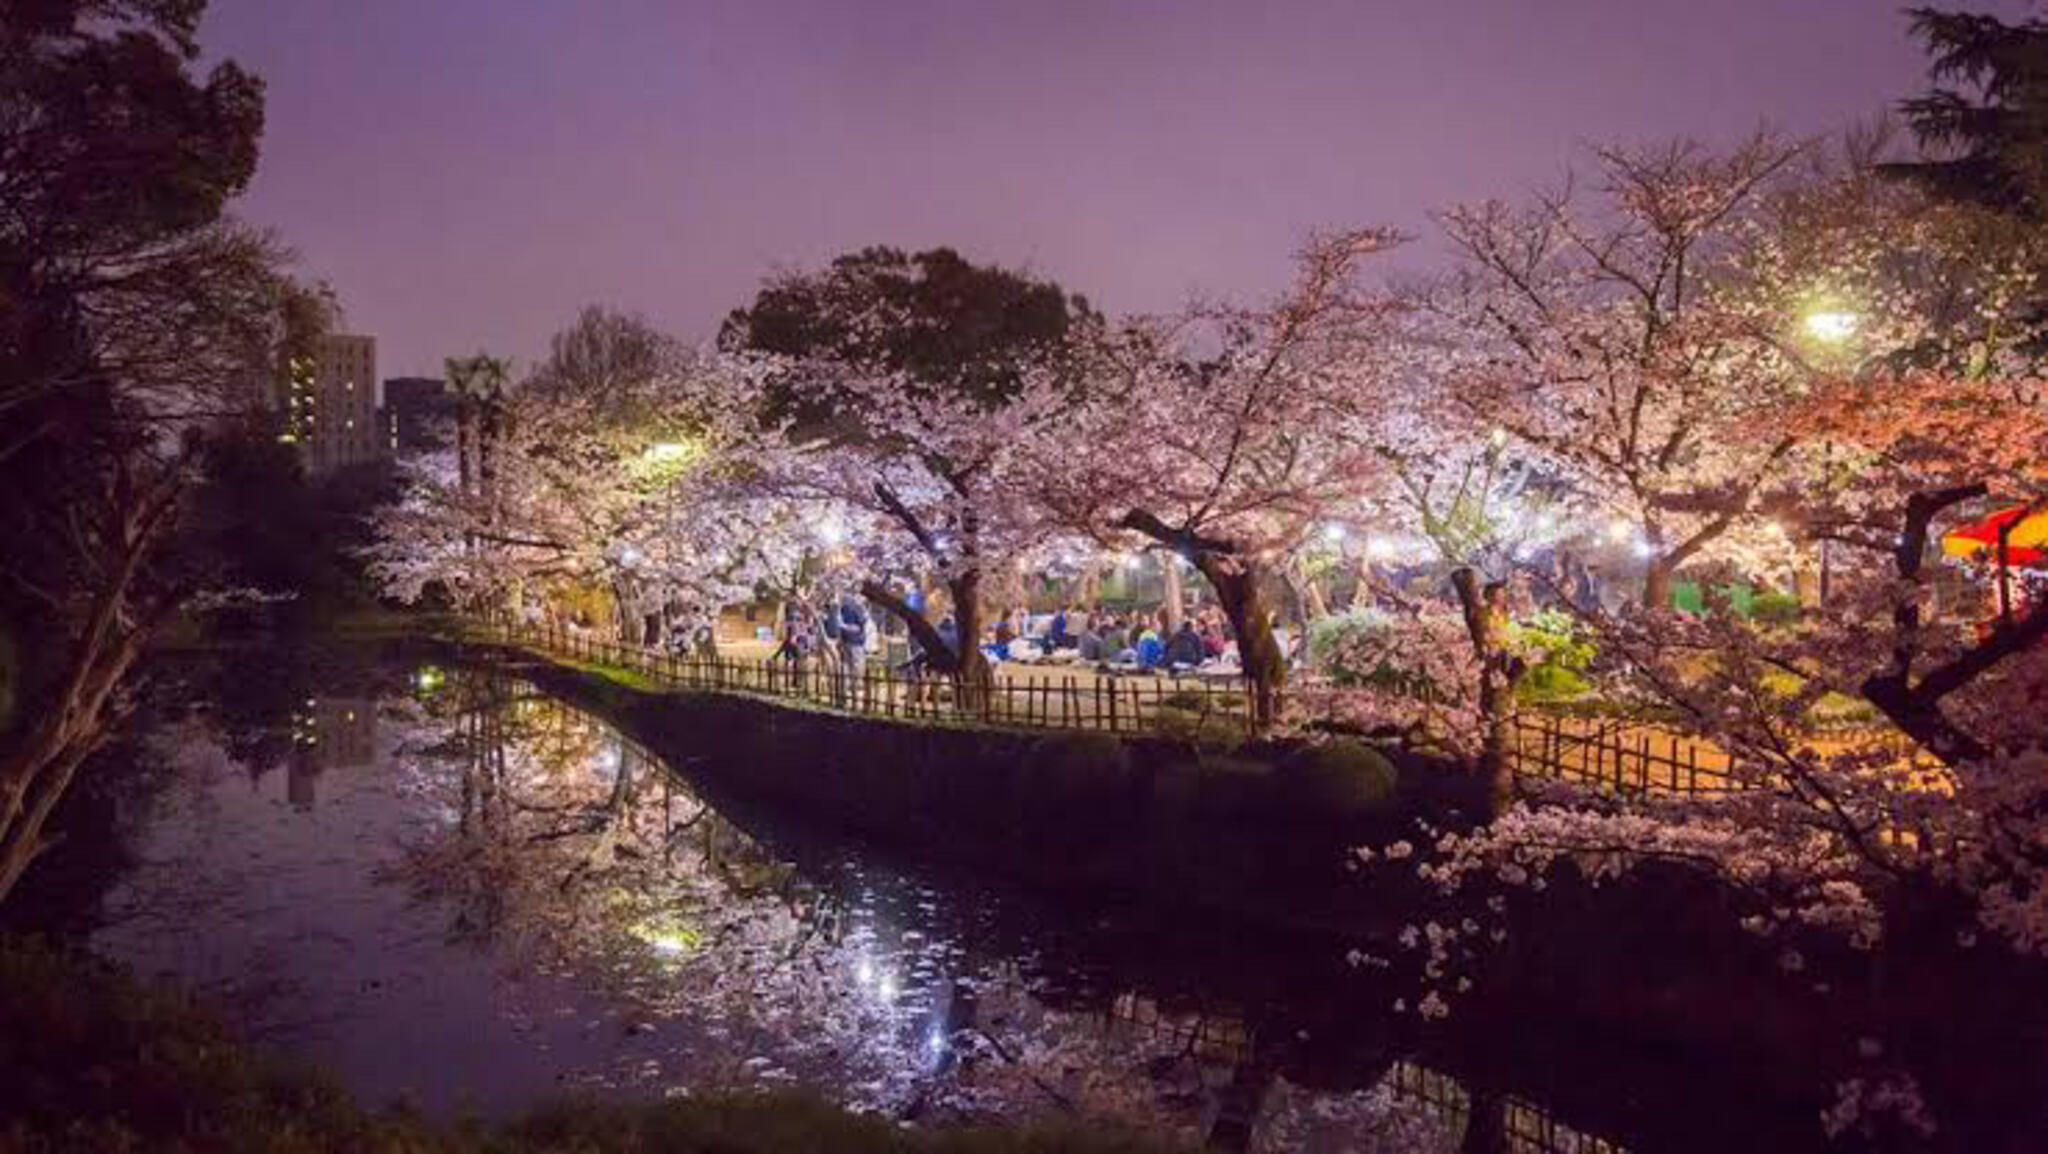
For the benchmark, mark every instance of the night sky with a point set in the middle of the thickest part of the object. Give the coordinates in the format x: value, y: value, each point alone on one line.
x: 468, y: 173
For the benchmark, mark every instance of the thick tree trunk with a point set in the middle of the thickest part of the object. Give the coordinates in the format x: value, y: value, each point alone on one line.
x: 1486, y: 623
x: 972, y: 676
x: 1237, y: 580
x: 1237, y: 585
x: 1657, y: 584
x: 1176, y: 597
x: 965, y: 664
x: 35, y: 776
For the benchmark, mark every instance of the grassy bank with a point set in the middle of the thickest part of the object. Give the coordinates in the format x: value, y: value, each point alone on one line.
x: 93, y: 1060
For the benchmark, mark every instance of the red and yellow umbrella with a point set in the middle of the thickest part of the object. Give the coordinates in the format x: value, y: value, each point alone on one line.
x: 2025, y: 531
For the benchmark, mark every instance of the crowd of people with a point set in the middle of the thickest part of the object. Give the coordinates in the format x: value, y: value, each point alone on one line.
x: 1138, y: 639
x: 841, y: 632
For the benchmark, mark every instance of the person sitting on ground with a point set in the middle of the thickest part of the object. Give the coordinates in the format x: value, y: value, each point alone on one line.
x: 1212, y: 638
x: 1151, y: 650
x: 1005, y: 633
x: 1185, y: 648
x: 1116, y: 641
x: 1057, y: 637
x: 1088, y: 646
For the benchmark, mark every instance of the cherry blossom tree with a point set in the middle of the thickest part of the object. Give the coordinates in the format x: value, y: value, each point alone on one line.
x: 935, y: 490
x: 1227, y: 436
x: 1595, y: 337
x: 1862, y: 839
x: 597, y: 473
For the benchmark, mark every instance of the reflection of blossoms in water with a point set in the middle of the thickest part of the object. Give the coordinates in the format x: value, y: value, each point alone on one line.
x: 588, y: 869
x: 1379, y: 1120
x: 603, y: 866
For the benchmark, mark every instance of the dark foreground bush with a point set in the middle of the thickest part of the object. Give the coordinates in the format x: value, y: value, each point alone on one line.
x: 1340, y: 776
x: 92, y: 1060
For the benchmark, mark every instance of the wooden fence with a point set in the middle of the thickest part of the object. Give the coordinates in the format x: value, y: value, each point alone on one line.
x: 1621, y: 756
x: 1086, y: 699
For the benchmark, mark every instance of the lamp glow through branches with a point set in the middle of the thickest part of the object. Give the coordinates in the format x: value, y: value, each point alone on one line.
x: 1830, y: 325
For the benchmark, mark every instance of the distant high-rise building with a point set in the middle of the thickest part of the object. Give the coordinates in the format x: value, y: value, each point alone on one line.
x: 330, y: 404
x: 329, y: 733
x: 417, y: 412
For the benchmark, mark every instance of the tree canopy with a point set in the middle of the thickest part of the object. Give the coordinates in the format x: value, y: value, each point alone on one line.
x: 1987, y: 115
x: 938, y: 320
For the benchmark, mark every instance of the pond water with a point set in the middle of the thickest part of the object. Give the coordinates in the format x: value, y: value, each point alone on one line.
x: 447, y: 887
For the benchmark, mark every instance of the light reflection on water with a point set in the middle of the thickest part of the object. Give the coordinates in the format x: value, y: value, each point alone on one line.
x: 467, y: 894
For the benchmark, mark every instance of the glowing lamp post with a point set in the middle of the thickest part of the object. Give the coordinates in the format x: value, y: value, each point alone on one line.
x: 1830, y: 326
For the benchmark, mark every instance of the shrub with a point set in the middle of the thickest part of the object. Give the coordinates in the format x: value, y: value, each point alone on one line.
x: 1339, y: 776
x: 1199, y: 726
x: 1558, y: 651
x: 1360, y: 649
x: 1774, y: 608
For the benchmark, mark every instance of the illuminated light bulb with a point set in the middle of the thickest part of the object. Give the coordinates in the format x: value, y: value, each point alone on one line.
x: 1333, y: 532
x: 1831, y: 325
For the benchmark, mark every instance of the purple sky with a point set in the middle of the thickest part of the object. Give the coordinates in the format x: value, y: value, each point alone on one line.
x: 468, y: 173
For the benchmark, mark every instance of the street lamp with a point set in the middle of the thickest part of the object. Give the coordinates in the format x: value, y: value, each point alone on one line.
x: 1832, y: 326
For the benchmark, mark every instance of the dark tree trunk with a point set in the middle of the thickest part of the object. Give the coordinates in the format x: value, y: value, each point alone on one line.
x: 1237, y: 579
x: 1657, y: 584
x: 1486, y: 623
x: 1237, y: 584
x: 971, y: 673
x: 964, y: 663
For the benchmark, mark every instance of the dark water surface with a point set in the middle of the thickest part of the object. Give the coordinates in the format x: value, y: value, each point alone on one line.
x: 446, y: 886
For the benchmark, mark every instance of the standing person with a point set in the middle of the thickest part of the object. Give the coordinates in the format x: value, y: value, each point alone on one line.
x: 795, y: 634
x: 853, y: 641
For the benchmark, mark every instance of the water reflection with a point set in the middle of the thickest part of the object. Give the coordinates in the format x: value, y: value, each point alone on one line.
x: 468, y: 893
